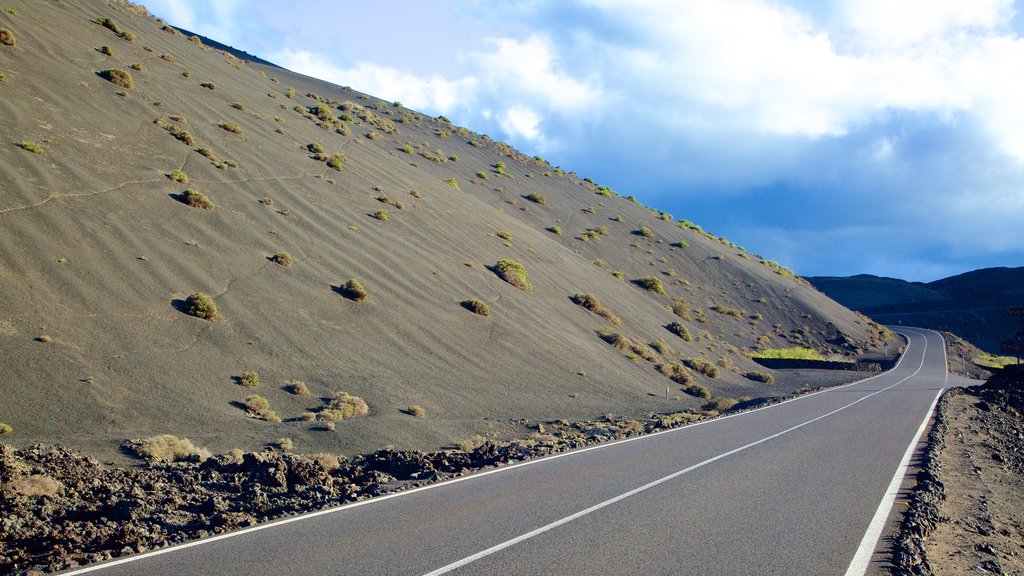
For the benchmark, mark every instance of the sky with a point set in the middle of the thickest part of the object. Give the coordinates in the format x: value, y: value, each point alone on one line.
x: 853, y: 136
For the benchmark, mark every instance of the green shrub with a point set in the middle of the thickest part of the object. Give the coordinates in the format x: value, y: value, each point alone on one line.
x: 698, y: 390
x: 536, y: 198
x: 354, y: 291
x: 483, y: 175
x: 662, y: 347
x: 168, y: 58
x: 290, y: 92
x: 680, y: 330
x: 763, y: 377
x: 617, y: 218
x: 31, y: 147
x: 5, y: 428
x: 283, y: 258
x: 677, y: 373
x: 178, y: 176
x: 416, y: 411
x: 794, y: 353
x: 105, y: 50
x: 645, y: 232
x: 118, y: 77
x: 650, y: 283
x: 719, y: 404
x: 736, y: 312
x: 208, y: 85
x: 231, y: 127
x: 407, y: 149
x: 238, y: 106
x: 166, y: 448
x: 681, y: 308
x: 197, y: 199
x: 259, y: 407
x: 590, y: 302
x: 476, y: 306
x: 343, y: 405
x: 504, y: 235
x: 381, y: 215
x: 249, y: 379
x: 512, y: 272
x: 298, y: 388
x: 555, y: 230
x: 452, y: 182
x: 665, y: 217
x: 201, y: 305
x: 702, y: 366
x: 680, y: 244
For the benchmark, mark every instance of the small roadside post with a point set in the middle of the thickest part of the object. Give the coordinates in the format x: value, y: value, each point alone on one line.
x: 1018, y: 346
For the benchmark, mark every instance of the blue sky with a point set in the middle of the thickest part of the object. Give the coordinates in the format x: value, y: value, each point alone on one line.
x: 845, y: 137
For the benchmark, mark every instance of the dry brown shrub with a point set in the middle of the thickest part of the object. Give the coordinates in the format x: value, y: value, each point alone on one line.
x: 167, y: 448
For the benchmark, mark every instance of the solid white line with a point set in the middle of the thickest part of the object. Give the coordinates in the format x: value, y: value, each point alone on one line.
x: 577, y: 515
x: 343, y: 507
x: 862, y: 558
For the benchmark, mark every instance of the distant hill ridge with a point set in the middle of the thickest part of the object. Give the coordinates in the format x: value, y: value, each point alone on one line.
x: 973, y: 304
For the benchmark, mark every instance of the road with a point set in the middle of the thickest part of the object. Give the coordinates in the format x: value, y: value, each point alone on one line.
x: 788, y: 489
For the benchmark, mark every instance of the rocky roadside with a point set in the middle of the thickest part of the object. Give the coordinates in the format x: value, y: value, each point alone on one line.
x: 966, y: 514
x: 60, y: 509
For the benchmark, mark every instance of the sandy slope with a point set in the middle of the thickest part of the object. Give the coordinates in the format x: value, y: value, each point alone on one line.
x: 97, y: 253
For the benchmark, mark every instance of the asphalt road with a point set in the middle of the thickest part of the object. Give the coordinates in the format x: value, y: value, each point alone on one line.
x: 789, y: 489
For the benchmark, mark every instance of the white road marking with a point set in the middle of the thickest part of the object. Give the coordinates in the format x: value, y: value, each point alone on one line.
x: 526, y: 536
x: 862, y: 558
x: 342, y: 508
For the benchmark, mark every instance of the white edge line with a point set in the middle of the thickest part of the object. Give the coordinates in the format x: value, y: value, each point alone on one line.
x: 862, y: 558
x: 343, y: 507
x: 565, y: 520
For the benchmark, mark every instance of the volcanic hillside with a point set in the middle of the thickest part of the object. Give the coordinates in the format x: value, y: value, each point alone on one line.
x: 140, y: 166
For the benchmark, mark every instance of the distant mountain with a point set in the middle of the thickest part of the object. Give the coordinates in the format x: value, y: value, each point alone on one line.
x: 973, y: 305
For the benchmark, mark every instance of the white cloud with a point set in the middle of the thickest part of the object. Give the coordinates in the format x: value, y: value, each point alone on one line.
x: 521, y: 121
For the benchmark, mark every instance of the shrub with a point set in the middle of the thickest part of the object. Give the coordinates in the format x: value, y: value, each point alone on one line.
x: 719, y: 404
x: 504, y: 235
x: 343, y: 405
x: 763, y: 377
x: 472, y: 443
x: 476, y: 306
x: 452, y: 182
x: 105, y: 50
x: 651, y: 283
x: 381, y: 215
x: 259, y: 407
x: 231, y: 127
x: 298, y: 388
x: 680, y: 244
x: 354, y: 291
x: 118, y: 77
x: 617, y: 218
x: 178, y: 176
x: 209, y: 85
x: 168, y: 58
x: 662, y: 347
x: 512, y: 272
x: 727, y: 310
x: 416, y: 411
x: 289, y: 92
x: 31, y: 147
x: 197, y: 199
x: 283, y: 258
x: 201, y: 305
x: 555, y: 230
x: 109, y: 25
x: 249, y: 379
x: 5, y: 428
x: 590, y: 302
x: 698, y: 390
x: 166, y: 448
x: 645, y: 232
x: 536, y: 198
x: 238, y: 106
x: 677, y: 373
x: 285, y: 443
x: 794, y: 353
x: 702, y: 366
x: 407, y: 149
x: 681, y: 308
x: 136, y: 67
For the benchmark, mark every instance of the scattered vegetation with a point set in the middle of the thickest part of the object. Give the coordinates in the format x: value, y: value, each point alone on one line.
x: 283, y: 258
x: 555, y: 230
x: 645, y: 232
x: 990, y: 361
x: 736, y: 312
x: 166, y: 448
x: 231, y: 127
x: 452, y: 182
x: 719, y: 404
x: 763, y: 377
x: 504, y: 235
x: 476, y: 306
x: 178, y: 176
x: 651, y: 283
x: 259, y: 407
x: 536, y: 198
x: 590, y: 302
x: 201, y: 305
x: 681, y: 308
x: 118, y: 77
x: 354, y: 291
x: 31, y: 147
x: 249, y: 379
x: 702, y: 366
x: 197, y: 199
x: 343, y: 405
x: 382, y: 215
x: 698, y: 390
x: 794, y: 353
x: 472, y: 443
x: 512, y: 272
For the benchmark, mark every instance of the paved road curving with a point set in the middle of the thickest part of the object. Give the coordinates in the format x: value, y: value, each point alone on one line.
x: 789, y: 489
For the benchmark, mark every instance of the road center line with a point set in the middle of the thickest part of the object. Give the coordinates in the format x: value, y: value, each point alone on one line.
x: 528, y: 535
